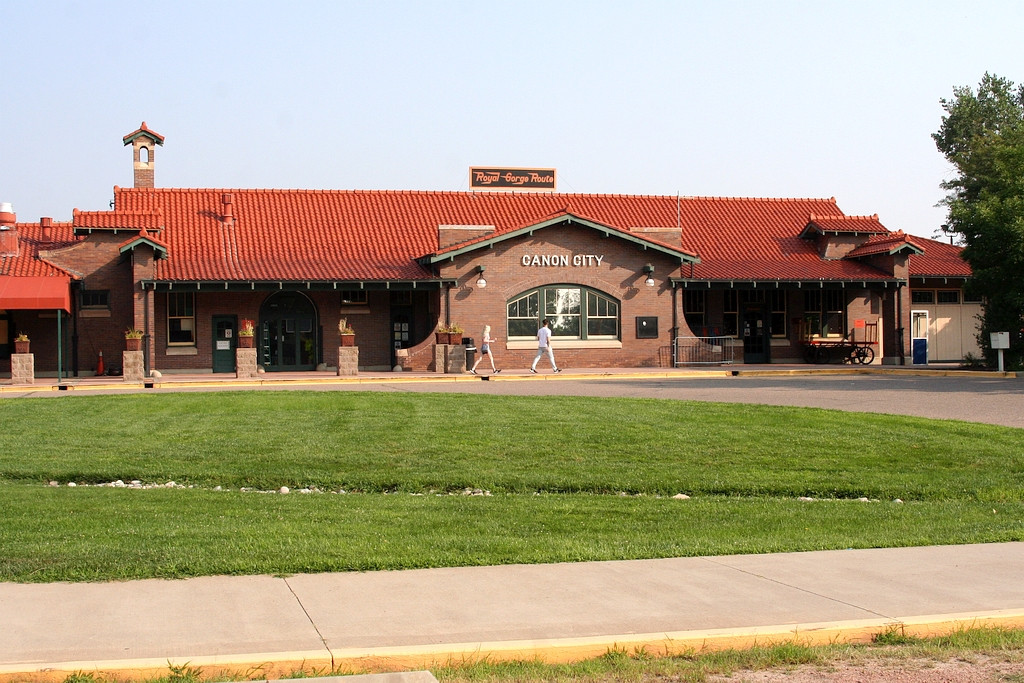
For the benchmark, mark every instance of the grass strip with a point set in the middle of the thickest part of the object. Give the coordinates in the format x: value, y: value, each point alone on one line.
x: 98, y: 533
x: 373, y: 441
x: 572, y: 479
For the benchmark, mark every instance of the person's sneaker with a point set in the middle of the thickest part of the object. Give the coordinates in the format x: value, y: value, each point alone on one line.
x: 497, y: 371
x: 533, y: 371
x: 473, y: 371
x: 558, y: 369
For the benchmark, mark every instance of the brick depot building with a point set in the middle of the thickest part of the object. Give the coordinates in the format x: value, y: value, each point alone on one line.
x: 627, y: 281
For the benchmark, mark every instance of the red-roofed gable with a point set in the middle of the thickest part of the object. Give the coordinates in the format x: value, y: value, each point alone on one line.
x: 144, y: 131
x: 889, y: 243
x: 559, y: 219
x: 940, y: 259
x: 144, y: 238
x: 314, y: 235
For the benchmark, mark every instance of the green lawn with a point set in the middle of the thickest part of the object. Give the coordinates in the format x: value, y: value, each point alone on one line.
x: 569, y: 479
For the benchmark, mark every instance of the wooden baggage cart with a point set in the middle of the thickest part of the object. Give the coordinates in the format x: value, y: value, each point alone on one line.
x: 858, y: 346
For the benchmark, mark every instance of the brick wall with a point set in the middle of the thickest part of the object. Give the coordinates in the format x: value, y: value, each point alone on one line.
x: 620, y: 274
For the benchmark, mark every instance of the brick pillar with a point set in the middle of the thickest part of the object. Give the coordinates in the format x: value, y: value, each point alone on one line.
x: 23, y: 368
x: 450, y: 358
x: 348, y: 361
x: 134, y: 366
x: 246, y: 366
x: 457, y: 359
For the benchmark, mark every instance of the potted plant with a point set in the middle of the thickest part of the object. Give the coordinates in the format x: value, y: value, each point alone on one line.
x: 347, y: 334
x: 133, y: 339
x: 441, y: 336
x: 454, y: 334
x: 21, y: 343
x: 246, y: 333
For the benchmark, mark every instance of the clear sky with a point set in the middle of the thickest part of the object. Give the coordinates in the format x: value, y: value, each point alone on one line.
x: 718, y: 98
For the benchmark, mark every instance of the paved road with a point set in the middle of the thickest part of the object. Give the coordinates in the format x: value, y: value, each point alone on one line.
x: 997, y: 401
x: 974, y: 397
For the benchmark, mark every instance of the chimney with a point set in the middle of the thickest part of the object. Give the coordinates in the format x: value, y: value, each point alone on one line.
x: 228, y: 214
x: 46, y: 224
x: 8, y: 231
x: 7, y: 217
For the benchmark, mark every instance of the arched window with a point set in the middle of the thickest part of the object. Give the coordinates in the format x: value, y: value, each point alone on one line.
x: 574, y: 312
x: 144, y: 154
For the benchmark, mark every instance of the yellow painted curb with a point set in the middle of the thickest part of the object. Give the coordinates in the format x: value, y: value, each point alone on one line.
x: 550, y: 651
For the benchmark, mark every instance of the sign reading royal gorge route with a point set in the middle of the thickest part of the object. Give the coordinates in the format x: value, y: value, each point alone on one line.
x: 511, y: 178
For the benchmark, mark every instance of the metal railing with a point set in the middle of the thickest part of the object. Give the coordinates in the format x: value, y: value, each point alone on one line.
x: 703, y: 350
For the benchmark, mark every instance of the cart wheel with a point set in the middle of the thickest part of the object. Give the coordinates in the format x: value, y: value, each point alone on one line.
x: 865, y: 354
x: 824, y: 356
x: 810, y: 354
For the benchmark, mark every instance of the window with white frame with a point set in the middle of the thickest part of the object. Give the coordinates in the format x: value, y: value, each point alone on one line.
x: 181, y: 319
x: 573, y: 312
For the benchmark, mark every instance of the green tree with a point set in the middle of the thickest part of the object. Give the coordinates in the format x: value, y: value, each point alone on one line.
x: 982, y: 135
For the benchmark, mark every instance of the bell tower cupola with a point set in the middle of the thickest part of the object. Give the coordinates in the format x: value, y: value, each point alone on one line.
x: 143, y: 142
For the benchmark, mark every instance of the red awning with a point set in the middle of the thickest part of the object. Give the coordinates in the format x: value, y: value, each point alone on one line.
x: 35, y: 293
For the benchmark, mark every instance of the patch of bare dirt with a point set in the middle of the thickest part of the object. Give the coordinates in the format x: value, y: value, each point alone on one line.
x: 979, y: 669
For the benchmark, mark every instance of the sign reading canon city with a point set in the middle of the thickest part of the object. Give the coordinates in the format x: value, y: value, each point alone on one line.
x: 562, y: 260
x: 511, y: 178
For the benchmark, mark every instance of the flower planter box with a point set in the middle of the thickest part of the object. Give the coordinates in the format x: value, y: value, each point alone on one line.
x: 133, y: 344
x: 441, y: 337
x: 454, y: 338
x: 21, y: 346
x: 245, y: 341
x: 348, y: 339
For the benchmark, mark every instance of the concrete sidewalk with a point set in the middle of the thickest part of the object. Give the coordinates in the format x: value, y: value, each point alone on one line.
x: 51, y: 386
x: 405, y: 620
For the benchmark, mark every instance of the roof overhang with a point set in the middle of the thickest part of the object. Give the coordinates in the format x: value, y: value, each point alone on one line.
x: 562, y: 219
x: 862, y: 283
x: 293, y: 285
x: 35, y: 293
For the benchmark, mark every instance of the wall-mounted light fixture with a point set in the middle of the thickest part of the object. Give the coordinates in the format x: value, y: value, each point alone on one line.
x: 481, y: 282
x: 649, y: 269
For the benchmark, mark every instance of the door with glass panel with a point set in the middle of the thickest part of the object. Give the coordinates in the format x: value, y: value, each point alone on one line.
x: 919, y: 337
x: 288, y: 333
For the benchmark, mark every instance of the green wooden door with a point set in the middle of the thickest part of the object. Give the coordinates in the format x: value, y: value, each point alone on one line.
x: 225, y: 331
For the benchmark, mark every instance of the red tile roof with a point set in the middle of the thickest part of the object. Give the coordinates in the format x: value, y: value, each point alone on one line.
x: 119, y: 220
x: 940, y: 259
x: 846, y: 224
x: 30, y: 243
x: 338, y: 235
